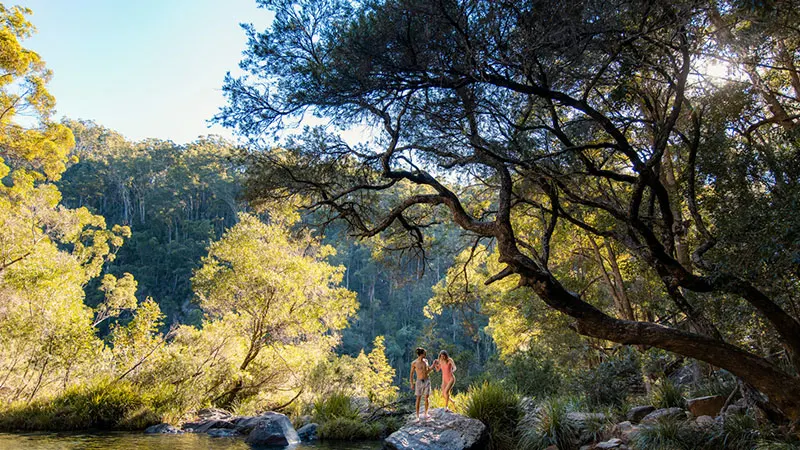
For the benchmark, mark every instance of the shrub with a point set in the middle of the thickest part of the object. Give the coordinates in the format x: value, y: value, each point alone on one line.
x: 667, y: 394
x: 458, y: 401
x: 103, y: 405
x: 777, y: 445
x: 533, y: 376
x: 335, y: 406
x: 669, y: 434
x: 738, y: 432
x: 499, y: 409
x: 550, y: 425
x: 346, y: 429
x: 611, y: 381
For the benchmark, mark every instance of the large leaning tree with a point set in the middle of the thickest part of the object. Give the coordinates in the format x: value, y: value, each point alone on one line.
x: 599, y: 115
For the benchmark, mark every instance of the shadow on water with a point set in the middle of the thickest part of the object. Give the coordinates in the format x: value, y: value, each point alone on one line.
x: 136, y: 441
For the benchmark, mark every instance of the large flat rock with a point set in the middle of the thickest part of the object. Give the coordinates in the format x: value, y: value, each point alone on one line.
x: 706, y: 406
x: 664, y: 413
x: 442, y: 431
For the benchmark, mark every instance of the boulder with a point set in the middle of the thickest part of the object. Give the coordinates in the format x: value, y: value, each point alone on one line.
x: 611, y: 443
x: 685, y: 375
x: 203, y: 426
x: 706, y: 406
x: 637, y: 413
x: 245, y: 424
x: 273, y: 429
x: 302, y: 421
x: 704, y: 422
x: 735, y: 410
x: 625, y: 431
x: 308, y: 432
x: 162, y: 428
x: 664, y: 413
x: 223, y: 432
x: 441, y: 431
x: 214, y: 413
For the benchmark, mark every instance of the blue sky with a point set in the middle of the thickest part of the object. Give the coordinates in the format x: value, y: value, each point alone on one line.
x: 145, y: 68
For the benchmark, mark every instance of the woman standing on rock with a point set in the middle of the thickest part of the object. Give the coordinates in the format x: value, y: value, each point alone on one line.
x: 447, y: 366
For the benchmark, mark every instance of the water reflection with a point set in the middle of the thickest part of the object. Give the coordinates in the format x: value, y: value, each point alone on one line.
x: 136, y: 441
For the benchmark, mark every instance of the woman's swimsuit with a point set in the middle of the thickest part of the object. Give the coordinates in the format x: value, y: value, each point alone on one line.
x: 447, y: 372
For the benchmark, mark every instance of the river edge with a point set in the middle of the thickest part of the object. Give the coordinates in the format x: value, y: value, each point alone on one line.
x: 124, y: 440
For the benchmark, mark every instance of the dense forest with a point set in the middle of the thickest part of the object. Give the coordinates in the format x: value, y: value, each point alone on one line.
x: 562, y: 196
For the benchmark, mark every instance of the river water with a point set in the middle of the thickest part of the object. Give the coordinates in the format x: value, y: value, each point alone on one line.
x: 140, y: 441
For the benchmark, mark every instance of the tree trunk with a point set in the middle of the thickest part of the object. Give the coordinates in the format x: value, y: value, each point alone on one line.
x: 782, y: 389
x: 620, y: 284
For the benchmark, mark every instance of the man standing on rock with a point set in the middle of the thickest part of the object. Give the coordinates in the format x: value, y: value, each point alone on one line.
x: 423, y: 383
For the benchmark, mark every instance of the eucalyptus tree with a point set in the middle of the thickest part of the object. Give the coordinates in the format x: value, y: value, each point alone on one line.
x: 48, y: 253
x: 596, y: 115
x: 274, y: 291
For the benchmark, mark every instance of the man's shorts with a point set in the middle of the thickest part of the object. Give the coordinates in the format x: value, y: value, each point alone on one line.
x: 423, y: 388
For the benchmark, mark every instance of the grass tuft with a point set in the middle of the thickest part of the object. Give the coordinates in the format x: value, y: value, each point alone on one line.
x: 667, y: 394
x: 499, y: 409
x: 550, y: 425
x: 335, y: 406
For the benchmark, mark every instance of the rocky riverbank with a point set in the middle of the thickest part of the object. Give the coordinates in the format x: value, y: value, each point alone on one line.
x: 268, y: 429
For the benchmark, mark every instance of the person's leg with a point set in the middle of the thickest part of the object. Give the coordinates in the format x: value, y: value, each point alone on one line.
x: 418, y: 399
x: 426, y: 406
x: 449, y: 390
x: 445, y: 394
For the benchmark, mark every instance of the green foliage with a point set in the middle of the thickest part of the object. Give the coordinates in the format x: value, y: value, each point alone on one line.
x: 339, y: 419
x: 106, y: 405
x: 272, y: 288
x: 738, y: 432
x: 335, y: 406
x: 550, y: 425
x: 666, y: 165
x: 667, y: 394
x: 611, y: 381
x: 498, y: 407
x: 345, y: 429
x: 669, y: 434
x: 175, y: 198
x: 533, y: 376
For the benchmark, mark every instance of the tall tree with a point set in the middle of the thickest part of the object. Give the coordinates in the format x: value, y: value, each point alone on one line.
x: 271, y: 288
x: 591, y: 114
x: 48, y: 253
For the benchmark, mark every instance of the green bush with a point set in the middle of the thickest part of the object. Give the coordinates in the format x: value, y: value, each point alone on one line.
x: 667, y: 394
x: 670, y: 434
x: 611, y: 381
x: 104, y: 405
x: 347, y: 429
x: 550, y: 425
x: 738, y: 432
x: 335, y: 406
x: 499, y: 409
x: 735, y: 433
x: 533, y: 376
